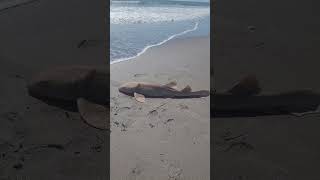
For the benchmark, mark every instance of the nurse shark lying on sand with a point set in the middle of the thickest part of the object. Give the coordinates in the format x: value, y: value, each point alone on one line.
x: 85, y: 89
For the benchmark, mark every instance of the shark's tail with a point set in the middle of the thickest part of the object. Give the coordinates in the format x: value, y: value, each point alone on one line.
x: 195, y: 94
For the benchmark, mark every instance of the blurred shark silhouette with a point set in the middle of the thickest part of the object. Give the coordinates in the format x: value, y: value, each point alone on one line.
x: 75, y: 88
x: 141, y: 90
x: 246, y: 100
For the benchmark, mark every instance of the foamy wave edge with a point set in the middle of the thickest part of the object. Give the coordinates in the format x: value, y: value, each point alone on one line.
x: 158, y: 44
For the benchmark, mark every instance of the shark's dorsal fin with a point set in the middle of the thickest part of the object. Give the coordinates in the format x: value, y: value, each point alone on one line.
x: 171, y: 84
x: 247, y: 86
x: 186, y: 89
x: 93, y: 114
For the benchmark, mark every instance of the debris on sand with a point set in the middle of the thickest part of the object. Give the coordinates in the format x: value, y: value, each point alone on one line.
x: 86, y: 43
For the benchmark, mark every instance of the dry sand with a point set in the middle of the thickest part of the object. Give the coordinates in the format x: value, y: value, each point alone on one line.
x: 279, y: 42
x: 162, y: 138
x: 35, y: 37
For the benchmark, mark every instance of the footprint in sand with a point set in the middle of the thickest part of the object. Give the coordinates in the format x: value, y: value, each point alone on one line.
x: 229, y: 141
x: 174, y: 172
x: 12, y: 116
x: 137, y: 171
x: 120, y: 109
x: 169, y: 124
x: 124, y: 125
x: 183, y: 107
x: 153, y: 113
x: 173, y: 168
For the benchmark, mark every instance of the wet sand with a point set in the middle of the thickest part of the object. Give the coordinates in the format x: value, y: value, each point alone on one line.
x: 162, y: 138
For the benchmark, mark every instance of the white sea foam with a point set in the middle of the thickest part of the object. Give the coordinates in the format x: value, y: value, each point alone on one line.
x: 125, y: 2
x: 150, y: 14
x: 158, y: 44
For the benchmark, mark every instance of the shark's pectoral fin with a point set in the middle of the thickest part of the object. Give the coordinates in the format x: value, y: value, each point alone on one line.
x: 93, y: 114
x: 186, y: 89
x: 247, y: 86
x: 175, y: 87
x: 171, y: 84
x: 139, y: 97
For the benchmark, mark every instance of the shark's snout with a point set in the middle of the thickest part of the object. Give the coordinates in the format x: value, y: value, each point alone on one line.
x: 128, y: 88
x: 37, y: 89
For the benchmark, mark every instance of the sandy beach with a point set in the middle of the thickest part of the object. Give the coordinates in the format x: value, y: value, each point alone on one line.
x: 162, y: 138
x: 38, y: 141
x: 279, y: 43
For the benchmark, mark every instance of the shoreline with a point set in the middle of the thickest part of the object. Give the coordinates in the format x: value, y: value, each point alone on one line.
x: 195, y: 27
x: 174, y: 132
x: 172, y: 37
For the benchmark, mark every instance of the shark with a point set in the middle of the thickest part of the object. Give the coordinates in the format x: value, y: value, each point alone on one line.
x: 75, y: 88
x: 246, y: 99
x: 142, y: 90
x: 86, y: 89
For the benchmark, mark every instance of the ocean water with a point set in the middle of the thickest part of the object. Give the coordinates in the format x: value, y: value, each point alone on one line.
x: 135, y: 26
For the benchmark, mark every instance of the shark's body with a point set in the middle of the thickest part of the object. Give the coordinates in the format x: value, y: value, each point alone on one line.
x: 70, y: 83
x: 295, y: 102
x: 245, y: 100
x: 160, y: 91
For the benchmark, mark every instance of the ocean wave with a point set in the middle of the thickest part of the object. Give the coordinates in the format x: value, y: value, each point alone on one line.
x: 195, y: 27
x: 150, y: 14
x: 125, y: 2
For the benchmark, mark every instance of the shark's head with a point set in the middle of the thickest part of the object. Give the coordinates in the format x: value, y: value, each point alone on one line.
x: 64, y: 85
x: 52, y: 93
x: 129, y: 88
x: 46, y: 89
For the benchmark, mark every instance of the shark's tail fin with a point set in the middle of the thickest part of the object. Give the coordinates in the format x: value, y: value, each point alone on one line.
x: 249, y: 85
x: 195, y: 94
